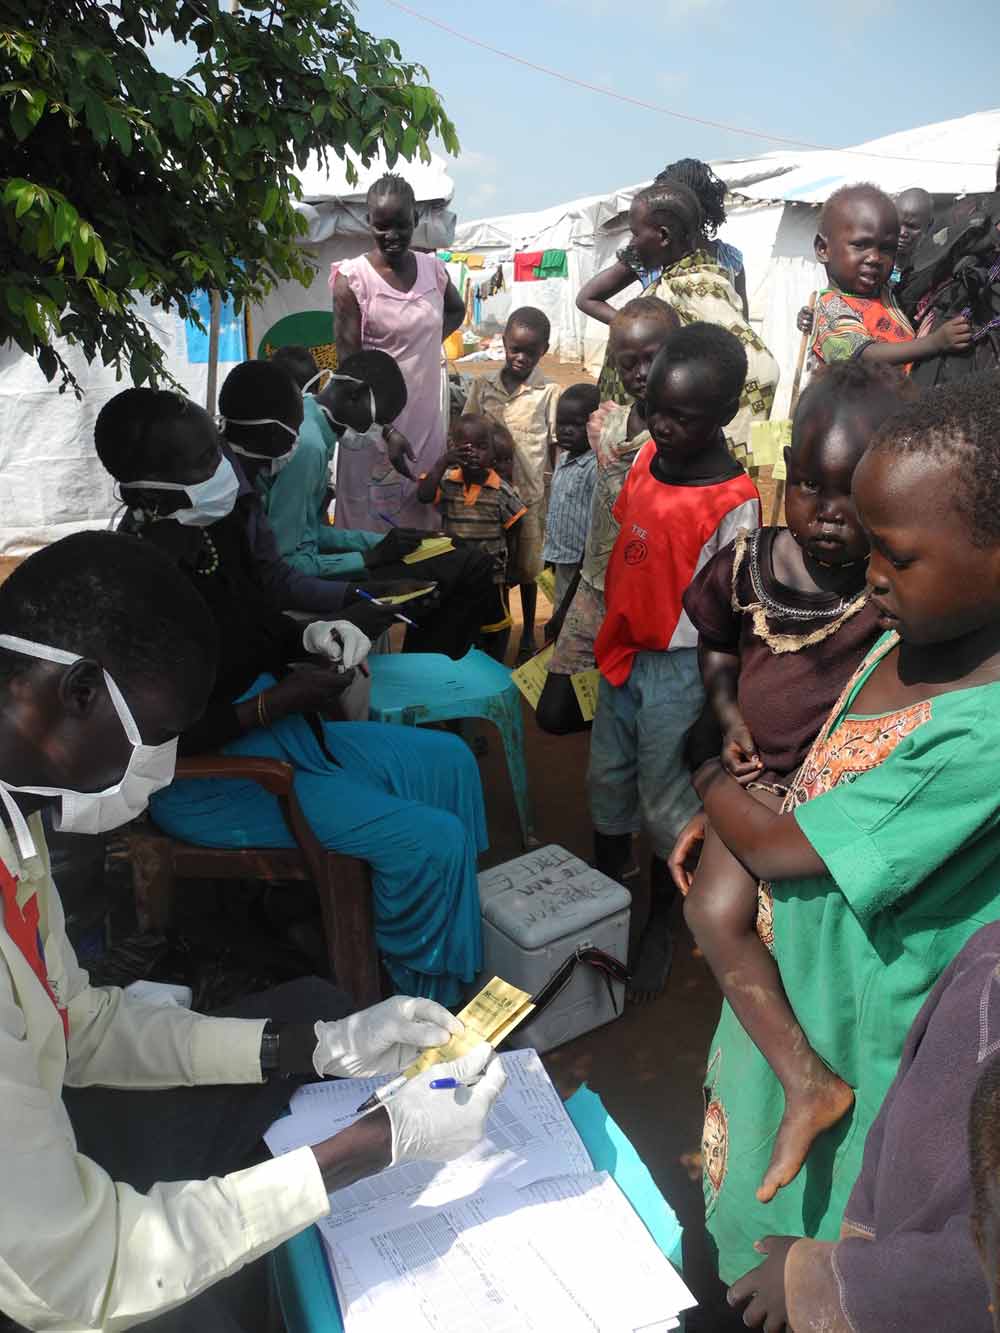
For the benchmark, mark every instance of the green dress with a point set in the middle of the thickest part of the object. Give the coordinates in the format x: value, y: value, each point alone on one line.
x: 904, y: 810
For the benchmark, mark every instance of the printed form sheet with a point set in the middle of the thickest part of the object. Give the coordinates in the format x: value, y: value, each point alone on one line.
x: 528, y: 1137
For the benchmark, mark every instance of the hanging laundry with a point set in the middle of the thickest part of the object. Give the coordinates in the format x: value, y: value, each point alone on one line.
x: 553, y: 265
x: 525, y: 265
x: 444, y: 256
x: 475, y: 261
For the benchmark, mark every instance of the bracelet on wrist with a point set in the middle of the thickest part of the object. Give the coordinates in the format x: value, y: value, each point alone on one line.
x: 263, y: 716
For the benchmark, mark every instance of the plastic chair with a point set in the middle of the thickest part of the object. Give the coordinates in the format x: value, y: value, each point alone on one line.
x: 343, y: 883
x: 412, y: 688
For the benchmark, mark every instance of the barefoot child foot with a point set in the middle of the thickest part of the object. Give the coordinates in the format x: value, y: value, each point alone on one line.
x: 818, y: 1101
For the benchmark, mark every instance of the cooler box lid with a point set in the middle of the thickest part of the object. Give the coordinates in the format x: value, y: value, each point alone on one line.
x: 547, y: 895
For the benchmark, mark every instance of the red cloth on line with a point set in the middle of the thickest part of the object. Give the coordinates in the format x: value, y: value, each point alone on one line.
x: 525, y: 265
x: 21, y: 925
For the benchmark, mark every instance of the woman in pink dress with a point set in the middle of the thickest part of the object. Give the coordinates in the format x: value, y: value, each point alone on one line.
x: 401, y: 302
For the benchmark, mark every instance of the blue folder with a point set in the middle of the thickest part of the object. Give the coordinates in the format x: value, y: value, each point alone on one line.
x: 305, y: 1287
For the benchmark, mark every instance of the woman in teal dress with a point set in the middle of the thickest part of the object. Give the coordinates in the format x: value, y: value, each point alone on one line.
x: 886, y: 856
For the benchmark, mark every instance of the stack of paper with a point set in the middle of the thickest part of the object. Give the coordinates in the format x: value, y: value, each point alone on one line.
x: 521, y: 1234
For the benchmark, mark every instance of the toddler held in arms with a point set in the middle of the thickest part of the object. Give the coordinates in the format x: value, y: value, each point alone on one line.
x: 783, y: 619
x: 857, y: 314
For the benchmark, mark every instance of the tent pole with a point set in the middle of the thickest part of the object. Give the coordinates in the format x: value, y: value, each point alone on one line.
x: 212, y: 386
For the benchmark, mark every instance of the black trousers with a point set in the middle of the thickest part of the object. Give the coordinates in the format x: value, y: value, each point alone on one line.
x: 141, y: 1137
x: 465, y: 585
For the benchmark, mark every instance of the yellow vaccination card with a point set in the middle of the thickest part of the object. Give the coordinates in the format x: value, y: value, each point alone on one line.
x: 546, y: 583
x: 492, y: 1015
x: 530, y: 678
x: 397, y: 599
x: 428, y: 548
x: 585, y: 686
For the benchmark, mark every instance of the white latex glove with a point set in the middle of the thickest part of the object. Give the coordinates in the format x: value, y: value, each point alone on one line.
x: 383, y: 1039
x: 435, y: 1125
x: 338, y: 640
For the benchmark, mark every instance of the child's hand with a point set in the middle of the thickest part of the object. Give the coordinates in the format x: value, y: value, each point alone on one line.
x: 452, y: 457
x: 804, y: 320
x: 762, y: 1290
x: 683, y: 860
x: 955, y: 335
x: 739, y: 754
x: 399, y: 450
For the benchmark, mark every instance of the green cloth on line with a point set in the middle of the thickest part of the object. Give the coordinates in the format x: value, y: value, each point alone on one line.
x: 554, y: 264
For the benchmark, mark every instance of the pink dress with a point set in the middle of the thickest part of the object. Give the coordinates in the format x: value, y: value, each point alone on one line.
x: 406, y: 325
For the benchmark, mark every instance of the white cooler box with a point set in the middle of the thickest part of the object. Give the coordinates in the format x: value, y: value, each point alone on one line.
x: 536, y: 910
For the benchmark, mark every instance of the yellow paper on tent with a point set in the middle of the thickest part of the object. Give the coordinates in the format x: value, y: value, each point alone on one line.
x: 428, y: 548
x: 585, y: 686
x: 490, y: 1016
x: 398, y: 598
x: 530, y: 678
x: 546, y: 583
x: 768, y: 441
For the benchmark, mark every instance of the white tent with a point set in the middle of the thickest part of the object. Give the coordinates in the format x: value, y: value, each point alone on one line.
x: 334, y: 210
x: 774, y: 203
x: 51, y: 482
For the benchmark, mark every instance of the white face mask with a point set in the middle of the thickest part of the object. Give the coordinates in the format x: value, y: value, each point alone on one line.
x: 210, y: 500
x: 150, y: 768
x: 278, y: 463
x: 347, y: 379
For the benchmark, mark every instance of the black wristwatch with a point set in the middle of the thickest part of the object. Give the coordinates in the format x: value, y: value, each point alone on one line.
x: 270, y: 1047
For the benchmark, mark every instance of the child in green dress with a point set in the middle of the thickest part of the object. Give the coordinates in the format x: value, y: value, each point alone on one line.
x: 885, y: 857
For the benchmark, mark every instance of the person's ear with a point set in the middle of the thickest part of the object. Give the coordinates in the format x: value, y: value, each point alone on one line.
x: 80, y: 687
x: 729, y: 411
x: 822, y: 247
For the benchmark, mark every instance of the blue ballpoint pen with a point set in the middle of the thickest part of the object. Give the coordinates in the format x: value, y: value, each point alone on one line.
x: 386, y: 519
x: 360, y: 592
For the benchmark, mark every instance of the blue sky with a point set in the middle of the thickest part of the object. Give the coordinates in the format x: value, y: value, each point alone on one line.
x: 833, y: 73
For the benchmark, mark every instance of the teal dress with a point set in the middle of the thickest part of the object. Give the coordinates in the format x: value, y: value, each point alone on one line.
x: 296, y: 500
x: 904, y: 810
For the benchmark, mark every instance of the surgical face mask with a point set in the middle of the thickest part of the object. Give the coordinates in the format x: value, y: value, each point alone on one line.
x: 277, y: 463
x: 347, y: 379
x: 149, y: 769
x: 210, y: 500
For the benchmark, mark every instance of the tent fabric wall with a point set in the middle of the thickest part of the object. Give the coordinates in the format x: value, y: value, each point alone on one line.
x: 773, y: 210
x: 51, y: 481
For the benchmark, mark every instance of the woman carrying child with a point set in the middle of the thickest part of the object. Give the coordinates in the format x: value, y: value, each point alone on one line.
x: 666, y: 225
x: 783, y: 619
x: 885, y: 857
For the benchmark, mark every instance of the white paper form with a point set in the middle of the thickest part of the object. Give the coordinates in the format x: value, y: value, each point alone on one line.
x: 528, y: 1136
x: 464, y: 1268
x: 586, y: 1233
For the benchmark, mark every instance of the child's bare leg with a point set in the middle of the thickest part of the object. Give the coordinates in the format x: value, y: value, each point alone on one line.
x: 721, y: 911
x: 529, y: 597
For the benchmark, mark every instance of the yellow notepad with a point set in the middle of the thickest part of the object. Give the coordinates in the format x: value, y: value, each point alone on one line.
x: 430, y: 546
x: 530, y: 678
x: 492, y: 1015
x: 398, y: 598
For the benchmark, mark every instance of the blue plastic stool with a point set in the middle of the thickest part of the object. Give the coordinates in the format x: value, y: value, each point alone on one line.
x: 411, y: 688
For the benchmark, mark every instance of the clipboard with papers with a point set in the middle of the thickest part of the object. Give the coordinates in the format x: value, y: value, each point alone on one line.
x: 553, y: 1222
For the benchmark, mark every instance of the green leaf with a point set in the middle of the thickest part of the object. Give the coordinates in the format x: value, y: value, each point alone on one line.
x: 180, y: 118
x: 96, y: 116
x: 121, y: 131
x: 65, y: 220
x: 25, y: 200
x: 270, y: 204
x: 80, y: 250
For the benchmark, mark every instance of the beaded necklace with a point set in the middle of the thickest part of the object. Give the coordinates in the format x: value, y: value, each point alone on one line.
x: 207, y: 562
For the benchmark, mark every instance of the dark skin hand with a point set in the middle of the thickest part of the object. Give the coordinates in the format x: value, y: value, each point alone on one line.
x: 307, y: 689
x: 363, y: 1149
x: 761, y: 1292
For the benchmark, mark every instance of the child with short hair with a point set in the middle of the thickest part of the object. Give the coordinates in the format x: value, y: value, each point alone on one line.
x: 616, y: 434
x: 525, y: 402
x: 684, y: 498
x: 783, y: 619
x: 477, y: 508
x: 885, y: 858
x: 857, y: 314
x: 572, y: 492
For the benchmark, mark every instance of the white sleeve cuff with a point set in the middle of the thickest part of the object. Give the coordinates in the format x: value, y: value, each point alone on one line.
x: 280, y: 1198
x: 226, y: 1050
